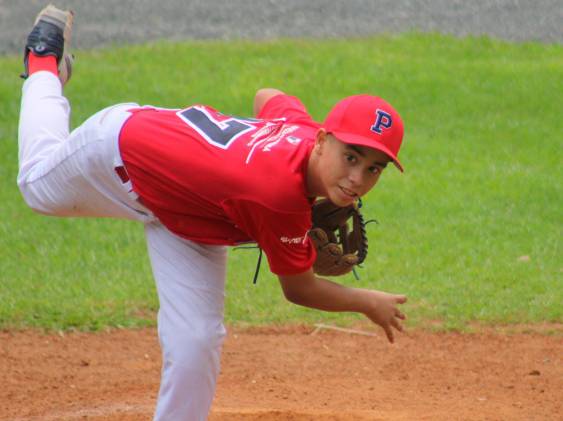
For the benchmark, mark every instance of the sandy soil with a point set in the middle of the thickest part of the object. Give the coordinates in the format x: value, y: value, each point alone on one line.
x: 291, y: 374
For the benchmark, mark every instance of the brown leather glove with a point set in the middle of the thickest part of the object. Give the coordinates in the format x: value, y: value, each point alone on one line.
x: 338, y: 249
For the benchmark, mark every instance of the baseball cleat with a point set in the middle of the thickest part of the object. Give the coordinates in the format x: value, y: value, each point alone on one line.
x: 50, y: 36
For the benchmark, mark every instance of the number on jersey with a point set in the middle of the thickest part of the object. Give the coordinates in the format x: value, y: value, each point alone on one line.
x: 220, y: 133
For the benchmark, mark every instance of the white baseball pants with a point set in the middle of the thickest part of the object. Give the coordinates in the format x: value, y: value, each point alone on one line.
x: 74, y: 174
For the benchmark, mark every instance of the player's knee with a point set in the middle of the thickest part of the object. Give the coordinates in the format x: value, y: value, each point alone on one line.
x: 195, y: 349
x: 40, y: 200
x: 31, y: 199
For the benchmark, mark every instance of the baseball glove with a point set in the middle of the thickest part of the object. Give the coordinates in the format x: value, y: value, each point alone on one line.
x: 338, y: 249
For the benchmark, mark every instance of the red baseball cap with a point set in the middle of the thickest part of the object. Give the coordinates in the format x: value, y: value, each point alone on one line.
x: 367, y: 121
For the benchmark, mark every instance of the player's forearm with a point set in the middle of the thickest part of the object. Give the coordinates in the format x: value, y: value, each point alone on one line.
x: 380, y: 307
x: 326, y: 295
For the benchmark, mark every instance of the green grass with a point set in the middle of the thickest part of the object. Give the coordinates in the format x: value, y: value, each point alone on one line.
x: 482, y: 185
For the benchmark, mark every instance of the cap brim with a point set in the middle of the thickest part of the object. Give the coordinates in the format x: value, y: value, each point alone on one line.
x: 353, y: 139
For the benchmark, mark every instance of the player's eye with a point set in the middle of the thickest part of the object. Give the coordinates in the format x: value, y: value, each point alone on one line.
x: 350, y: 158
x: 374, y: 170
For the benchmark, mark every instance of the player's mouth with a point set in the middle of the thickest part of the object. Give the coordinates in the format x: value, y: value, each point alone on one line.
x: 348, y: 192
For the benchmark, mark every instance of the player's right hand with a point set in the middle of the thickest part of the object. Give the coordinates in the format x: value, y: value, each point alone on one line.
x: 382, y: 309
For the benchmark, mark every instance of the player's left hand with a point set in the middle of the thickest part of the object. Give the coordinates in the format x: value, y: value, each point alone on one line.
x: 382, y: 309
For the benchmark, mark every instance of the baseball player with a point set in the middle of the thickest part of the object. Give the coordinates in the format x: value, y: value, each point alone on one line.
x: 200, y: 181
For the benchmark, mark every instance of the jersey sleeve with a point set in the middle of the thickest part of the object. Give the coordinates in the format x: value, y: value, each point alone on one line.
x: 282, y: 236
x: 288, y: 107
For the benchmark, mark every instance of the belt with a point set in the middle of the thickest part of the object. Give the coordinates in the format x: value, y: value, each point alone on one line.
x: 122, y: 173
x: 124, y: 177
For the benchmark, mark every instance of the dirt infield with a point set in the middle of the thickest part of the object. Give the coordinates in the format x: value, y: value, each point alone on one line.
x: 291, y: 374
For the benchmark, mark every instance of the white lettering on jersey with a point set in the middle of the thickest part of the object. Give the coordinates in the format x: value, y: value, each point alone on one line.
x: 295, y: 240
x: 294, y: 140
x: 272, y: 138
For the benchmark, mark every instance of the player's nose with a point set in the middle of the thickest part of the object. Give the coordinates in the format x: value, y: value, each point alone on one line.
x: 356, y: 177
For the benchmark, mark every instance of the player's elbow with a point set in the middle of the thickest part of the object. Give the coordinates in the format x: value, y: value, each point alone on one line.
x: 262, y: 96
x: 297, y: 288
x: 293, y: 296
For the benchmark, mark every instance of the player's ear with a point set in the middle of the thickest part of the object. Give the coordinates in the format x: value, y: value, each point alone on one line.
x: 320, y: 141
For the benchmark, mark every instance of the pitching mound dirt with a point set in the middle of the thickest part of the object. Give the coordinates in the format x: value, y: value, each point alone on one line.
x: 290, y: 374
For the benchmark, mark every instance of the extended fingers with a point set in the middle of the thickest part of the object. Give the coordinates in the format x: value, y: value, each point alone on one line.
x: 401, y: 299
x: 389, y: 333
x: 400, y: 315
x: 395, y: 323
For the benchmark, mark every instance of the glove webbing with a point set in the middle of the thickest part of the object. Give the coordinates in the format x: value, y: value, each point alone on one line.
x: 339, y: 236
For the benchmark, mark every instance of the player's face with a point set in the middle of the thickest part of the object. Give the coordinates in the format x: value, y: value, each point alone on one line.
x: 347, y: 172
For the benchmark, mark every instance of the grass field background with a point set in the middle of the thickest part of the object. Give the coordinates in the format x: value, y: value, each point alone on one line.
x: 470, y: 232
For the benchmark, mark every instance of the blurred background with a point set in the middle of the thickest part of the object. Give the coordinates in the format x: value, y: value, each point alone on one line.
x: 103, y: 22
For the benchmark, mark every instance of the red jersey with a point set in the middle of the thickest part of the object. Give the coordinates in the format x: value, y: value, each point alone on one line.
x: 219, y: 179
